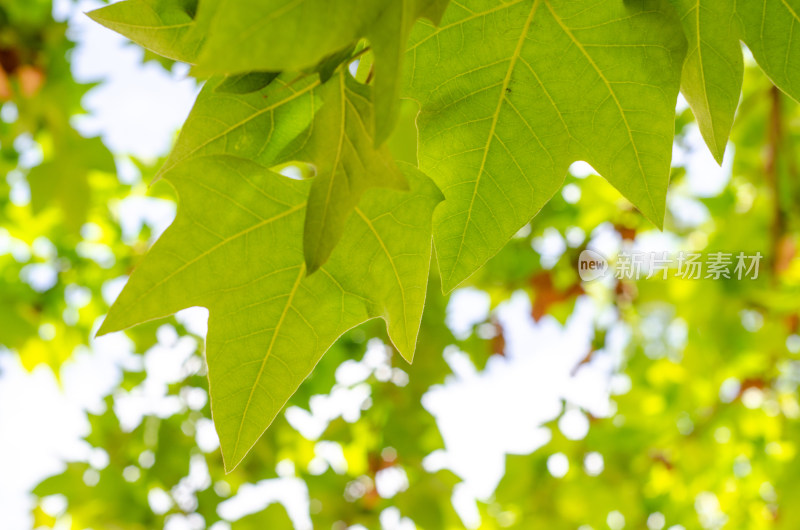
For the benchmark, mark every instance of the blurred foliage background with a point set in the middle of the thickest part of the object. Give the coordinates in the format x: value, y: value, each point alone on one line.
x: 697, y: 424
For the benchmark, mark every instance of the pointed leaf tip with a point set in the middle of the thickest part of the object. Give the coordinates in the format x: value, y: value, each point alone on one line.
x: 270, y: 322
x: 500, y: 125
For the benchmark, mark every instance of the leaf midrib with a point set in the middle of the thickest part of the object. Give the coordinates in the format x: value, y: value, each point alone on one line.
x: 789, y: 9
x: 703, y: 77
x: 148, y: 27
x: 492, y: 129
x: 336, y: 162
x: 216, y: 247
x: 274, y: 337
x: 613, y: 95
x: 394, y: 269
x: 512, y: 64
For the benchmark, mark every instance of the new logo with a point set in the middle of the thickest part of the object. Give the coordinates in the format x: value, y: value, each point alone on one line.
x: 591, y: 265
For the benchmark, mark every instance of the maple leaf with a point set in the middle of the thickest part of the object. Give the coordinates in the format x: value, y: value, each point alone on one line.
x: 713, y: 71
x: 269, y: 322
x: 513, y: 93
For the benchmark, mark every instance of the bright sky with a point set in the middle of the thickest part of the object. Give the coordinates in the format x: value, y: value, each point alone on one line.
x: 482, y: 415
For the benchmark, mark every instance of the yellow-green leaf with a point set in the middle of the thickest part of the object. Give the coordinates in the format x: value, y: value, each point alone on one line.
x: 269, y: 322
x: 512, y: 93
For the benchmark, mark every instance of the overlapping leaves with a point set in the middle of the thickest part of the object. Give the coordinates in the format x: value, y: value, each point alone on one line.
x: 270, y: 322
x: 511, y: 93
x: 340, y: 143
x: 212, y: 34
x: 167, y: 27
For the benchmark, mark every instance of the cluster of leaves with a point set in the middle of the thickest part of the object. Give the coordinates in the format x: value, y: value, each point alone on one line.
x: 509, y: 95
x: 705, y: 435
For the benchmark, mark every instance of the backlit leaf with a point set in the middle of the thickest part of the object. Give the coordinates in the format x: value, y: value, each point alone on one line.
x: 712, y: 73
x: 513, y: 93
x: 769, y: 31
x: 269, y: 322
x: 166, y: 27
x: 269, y: 29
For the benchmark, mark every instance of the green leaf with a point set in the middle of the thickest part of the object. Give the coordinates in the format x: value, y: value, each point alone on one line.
x: 166, y: 27
x: 63, y: 181
x: 388, y: 36
x: 270, y: 323
x: 713, y: 70
x: 769, y: 28
x: 433, y: 10
x: 258, y: 126
x: 246, y: 83
x: 712, y: 73
x: 278, y: 124
x: 340, y: 144
x: 19, y: 325
x: 513, y: 93
x: 269, y: 30
x: 273, y: 516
